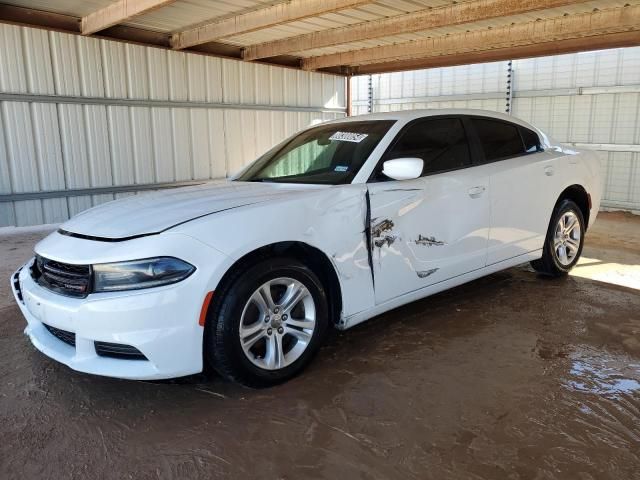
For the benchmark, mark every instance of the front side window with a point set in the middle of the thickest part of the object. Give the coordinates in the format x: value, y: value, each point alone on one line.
x: 327, y: 154
x: 499, y: 139
x: 440, y: 142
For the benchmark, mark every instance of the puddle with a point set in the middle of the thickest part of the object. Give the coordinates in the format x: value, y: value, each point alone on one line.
x: 604, y: 375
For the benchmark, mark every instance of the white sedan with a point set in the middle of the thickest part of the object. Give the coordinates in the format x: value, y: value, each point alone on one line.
x: 337, y: 224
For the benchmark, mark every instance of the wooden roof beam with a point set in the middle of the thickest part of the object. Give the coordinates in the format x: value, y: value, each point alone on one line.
x: 583, y: 25
x: 259, y: 19
x: 467, y: 12
x: 118, y: 12
x: 601, y: 42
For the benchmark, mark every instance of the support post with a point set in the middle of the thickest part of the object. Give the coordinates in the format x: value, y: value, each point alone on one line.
x: 370, y: 94
x: 509, y: 108
x: 349, y: 97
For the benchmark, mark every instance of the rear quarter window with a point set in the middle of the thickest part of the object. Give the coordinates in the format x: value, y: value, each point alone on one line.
x: 531, y: 140
x: 499, y: 140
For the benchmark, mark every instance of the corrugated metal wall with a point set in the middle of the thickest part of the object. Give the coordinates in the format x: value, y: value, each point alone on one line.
x: 89, y: 114
x: 589, y: 99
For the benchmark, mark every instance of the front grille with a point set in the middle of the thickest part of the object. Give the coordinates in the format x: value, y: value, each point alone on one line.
x: 67, y: 337
x: 63, y: 278
x: 117, y: 350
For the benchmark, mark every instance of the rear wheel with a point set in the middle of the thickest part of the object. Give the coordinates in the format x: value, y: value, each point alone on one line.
x: 268, y: 325
x: 564, y: 241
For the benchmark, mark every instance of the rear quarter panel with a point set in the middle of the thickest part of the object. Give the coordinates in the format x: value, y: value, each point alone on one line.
x: 591, y: 163
x: 580, y: 167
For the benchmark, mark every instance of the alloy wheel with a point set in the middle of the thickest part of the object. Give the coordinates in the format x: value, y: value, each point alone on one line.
x: 277, y: 323
x: 567, y: 238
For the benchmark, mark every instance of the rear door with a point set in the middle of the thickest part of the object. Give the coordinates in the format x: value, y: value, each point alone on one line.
x: 429, y: 229
x: 520, y: 176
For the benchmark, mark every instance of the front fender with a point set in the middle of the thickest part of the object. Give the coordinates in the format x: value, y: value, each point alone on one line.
x: 331, y: 220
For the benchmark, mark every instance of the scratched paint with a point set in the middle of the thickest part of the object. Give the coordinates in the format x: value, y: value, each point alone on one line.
x: 381, y: 233
x: 379, y: 228
x: 426, y: 273
x: 386, y: 240
x: 428, y: 241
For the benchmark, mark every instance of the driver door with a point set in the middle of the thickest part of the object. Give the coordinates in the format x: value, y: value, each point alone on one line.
x: 433, y: 228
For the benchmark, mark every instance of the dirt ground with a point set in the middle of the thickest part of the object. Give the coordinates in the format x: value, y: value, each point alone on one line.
x: 511, y: 376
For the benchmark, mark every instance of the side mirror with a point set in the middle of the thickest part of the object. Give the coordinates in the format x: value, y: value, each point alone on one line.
x: 403, y: 168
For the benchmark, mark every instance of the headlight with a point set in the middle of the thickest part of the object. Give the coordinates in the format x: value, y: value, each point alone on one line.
x: 137, y: 274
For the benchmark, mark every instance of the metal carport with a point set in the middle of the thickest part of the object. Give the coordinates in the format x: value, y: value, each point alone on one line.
x: 101, y: 99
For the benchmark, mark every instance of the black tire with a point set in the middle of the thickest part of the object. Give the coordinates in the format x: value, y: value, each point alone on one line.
x: 550, y: 263
x: 222, y: 346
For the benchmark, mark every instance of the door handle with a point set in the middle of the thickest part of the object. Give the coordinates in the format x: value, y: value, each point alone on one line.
x: 548, y: 170
x: 476, y: 192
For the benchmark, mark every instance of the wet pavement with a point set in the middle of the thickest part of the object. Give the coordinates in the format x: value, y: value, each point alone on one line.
x: 511, y: 376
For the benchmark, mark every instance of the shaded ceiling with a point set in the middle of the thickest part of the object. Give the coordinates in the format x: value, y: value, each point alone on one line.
x: 347, y: 36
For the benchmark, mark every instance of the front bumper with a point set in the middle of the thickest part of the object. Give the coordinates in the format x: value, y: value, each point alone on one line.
x: 160, y: 322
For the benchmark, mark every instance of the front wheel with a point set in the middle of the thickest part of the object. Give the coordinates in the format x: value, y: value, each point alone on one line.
x: 268, y: 324
x: 564, y: 241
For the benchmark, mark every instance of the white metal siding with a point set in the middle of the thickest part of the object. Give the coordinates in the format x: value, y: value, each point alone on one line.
x: 50, y: 146
x: 591, y: 100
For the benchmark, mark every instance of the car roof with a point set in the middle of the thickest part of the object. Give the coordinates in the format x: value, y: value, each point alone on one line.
x: 408, y: 115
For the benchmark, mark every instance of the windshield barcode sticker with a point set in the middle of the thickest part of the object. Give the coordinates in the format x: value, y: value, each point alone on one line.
x: 348, y: 137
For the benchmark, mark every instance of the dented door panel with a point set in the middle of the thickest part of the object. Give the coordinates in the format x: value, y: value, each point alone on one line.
x: 427, y: 230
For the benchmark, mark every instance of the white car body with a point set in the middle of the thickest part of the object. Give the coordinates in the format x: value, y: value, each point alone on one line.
x: 389, y: 243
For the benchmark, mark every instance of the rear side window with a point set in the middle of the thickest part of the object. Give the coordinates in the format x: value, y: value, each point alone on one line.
x: 531, y: 140
x: 440, y: 142
x: 498, y: 139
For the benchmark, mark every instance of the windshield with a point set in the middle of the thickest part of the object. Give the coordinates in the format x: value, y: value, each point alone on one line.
x: 327, y: 154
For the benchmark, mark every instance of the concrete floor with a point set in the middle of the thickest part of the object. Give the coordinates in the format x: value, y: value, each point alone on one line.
x: 512, y: 376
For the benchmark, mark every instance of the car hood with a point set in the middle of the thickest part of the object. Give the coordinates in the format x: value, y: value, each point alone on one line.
x: 156, y: 212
